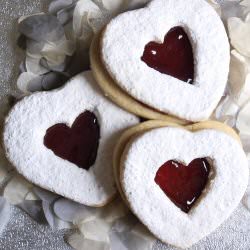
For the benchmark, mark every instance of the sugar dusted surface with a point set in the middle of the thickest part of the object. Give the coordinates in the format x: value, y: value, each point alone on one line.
x: 233, y: 235
x: 148, y: 152
x: 123, y: 44
x: 26, y: 126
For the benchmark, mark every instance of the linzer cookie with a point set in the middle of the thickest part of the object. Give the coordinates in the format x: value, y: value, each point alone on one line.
x: 63, y: 140
x: 183, y: 180
x: 166, y: 56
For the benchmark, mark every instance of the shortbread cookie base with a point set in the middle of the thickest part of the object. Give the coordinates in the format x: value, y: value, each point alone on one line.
x: 133, y: 132
x: 116, y: 94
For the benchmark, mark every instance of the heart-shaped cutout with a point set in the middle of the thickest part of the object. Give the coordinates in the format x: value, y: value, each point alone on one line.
x: 173, y: 57
x: 122, y: 49
x: 183, y: 184
x: 78, y: 144
x: 226, y: 185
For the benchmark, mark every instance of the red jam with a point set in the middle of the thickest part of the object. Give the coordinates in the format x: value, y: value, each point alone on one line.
x: 173, y: 57
x: 78, y: 144
x: 183, y: 184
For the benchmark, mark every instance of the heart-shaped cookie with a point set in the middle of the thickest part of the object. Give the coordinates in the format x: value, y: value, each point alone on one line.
x: 63, y: 140
x: 124, y: 47
x: 148, y: 162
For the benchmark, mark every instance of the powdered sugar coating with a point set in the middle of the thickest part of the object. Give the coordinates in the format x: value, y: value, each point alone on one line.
x: 144, y: 156
x: 123, y: 44
x: 26, y: 126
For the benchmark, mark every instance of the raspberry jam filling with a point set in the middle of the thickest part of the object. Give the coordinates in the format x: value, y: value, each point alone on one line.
x: 173, y: 57
x: 183, y: 184
x: 78, y: 144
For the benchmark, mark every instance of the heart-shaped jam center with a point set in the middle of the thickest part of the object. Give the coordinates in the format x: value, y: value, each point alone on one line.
x: 78, y: 144
x: 183, y: 184
x: 173, y: 57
